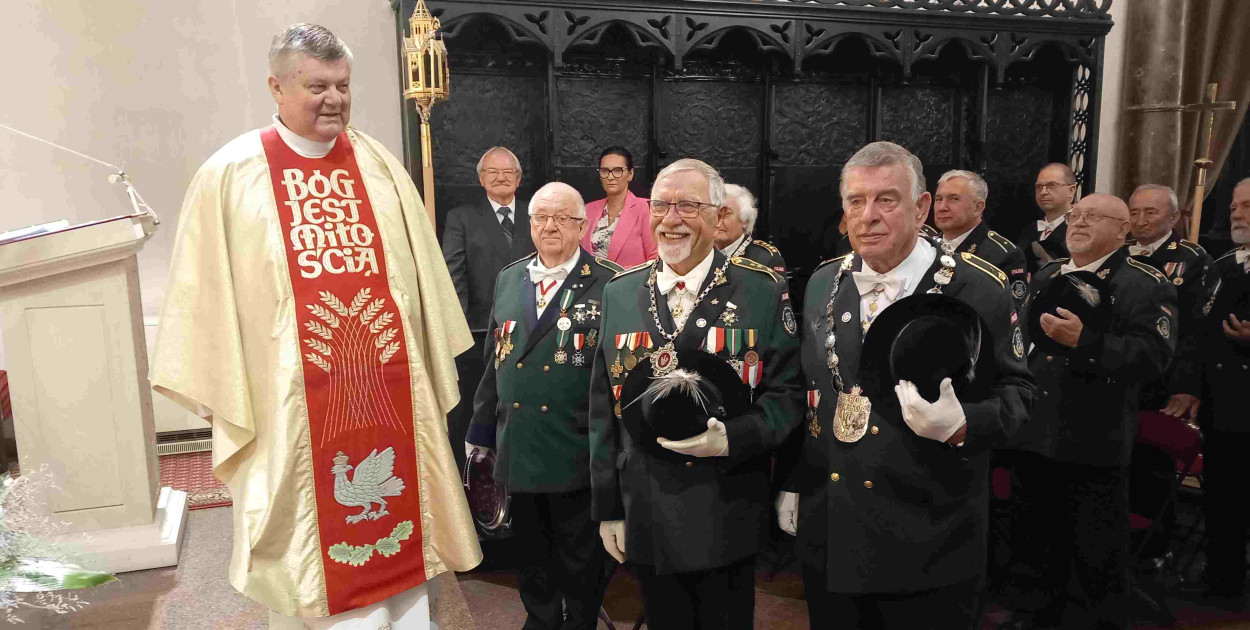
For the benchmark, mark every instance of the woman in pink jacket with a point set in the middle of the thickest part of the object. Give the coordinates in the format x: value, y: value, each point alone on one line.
x: 620, y: 224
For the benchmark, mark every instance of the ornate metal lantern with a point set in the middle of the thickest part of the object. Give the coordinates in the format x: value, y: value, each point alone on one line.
x: 426, y: 82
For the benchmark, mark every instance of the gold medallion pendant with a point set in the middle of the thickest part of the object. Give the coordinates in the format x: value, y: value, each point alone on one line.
x: 850, y: 420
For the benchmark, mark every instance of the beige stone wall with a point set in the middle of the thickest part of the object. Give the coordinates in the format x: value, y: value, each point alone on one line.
x: 1109, y: 113
x: 159, y: 85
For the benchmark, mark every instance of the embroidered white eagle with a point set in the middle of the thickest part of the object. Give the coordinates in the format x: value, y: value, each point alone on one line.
x: 372, y: 481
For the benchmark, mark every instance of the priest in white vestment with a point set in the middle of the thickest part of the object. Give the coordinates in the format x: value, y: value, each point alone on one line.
x: 310, y: 318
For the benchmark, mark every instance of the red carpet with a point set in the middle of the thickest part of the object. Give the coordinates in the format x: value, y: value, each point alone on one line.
x: 193, y: 472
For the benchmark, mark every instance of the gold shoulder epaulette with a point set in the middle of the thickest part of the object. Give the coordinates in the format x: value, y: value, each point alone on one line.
x: 1192, y: 246
x: 747, y: 263
x: 1151, y: 271
x: 609, y: 265
x: 839, y: 260
x: 1002, y: 241
x: 626, y: 272
x: 519, y: 260
x: 772, y: 249
x: 986, y: 266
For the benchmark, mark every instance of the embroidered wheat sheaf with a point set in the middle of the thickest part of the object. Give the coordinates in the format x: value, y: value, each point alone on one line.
x: 352, y: 342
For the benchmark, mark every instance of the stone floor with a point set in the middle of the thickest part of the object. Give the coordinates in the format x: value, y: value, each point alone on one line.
x: 196, y: 596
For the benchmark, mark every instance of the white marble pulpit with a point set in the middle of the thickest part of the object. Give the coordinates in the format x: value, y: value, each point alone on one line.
x: 72, y: 327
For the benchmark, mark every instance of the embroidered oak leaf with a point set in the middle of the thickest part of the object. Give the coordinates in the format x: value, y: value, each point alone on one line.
x: 402, y: 531
x: 387, y: 547
x: 348, y: 554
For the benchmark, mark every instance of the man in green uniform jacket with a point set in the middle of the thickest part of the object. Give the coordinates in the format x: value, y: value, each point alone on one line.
x: 958, y: 207
x: 690, y: 526
x: 735, y: 235
x: 531, y: 407
x: 892, y: 519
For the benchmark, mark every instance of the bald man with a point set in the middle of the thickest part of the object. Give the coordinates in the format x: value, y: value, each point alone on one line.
x: 1074, y: 452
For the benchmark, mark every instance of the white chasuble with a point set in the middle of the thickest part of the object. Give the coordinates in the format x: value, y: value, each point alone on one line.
x: 309, y: 315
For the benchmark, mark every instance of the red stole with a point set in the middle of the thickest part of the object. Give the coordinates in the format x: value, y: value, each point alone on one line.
x: 355, y: 374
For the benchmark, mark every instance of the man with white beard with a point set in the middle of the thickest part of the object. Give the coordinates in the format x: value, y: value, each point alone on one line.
x: 688, y: 515
x: 1212, y: 366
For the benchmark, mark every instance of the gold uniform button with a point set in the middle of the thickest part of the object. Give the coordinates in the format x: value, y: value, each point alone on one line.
x: 544, y: 408
x: 519, y: 365
x: 1050, y: 358
x: 516, y: 405
x: 868, y: 484
x: 689, y: 464
x: 546, y: 368
x: 875, y: 430
x: 835, y: 477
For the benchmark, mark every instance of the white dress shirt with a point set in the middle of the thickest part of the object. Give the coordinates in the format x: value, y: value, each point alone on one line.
x: 681, y: 300
x: 551, y: 277
x: 511, y: 211
x: 1069, y: 266
x: 906, y: 275
x: 301, y: 145
x: 733, y: 247
x: 1044, y: 227
x: 959, y: 240
x: 1147, y: 250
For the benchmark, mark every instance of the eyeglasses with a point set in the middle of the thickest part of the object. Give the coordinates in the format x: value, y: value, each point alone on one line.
x: 507, y: 173
x: 687, y: 209
x: 615, y: 172
x: 562, y: 220
x: 1050, y: 186
x: 1072, y: 216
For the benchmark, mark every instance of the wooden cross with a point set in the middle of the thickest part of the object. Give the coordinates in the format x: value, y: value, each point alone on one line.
x: 1210, y: 106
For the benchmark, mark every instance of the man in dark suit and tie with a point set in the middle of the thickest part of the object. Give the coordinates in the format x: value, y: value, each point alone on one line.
x: 479, y: 241
x: 1055, y: 187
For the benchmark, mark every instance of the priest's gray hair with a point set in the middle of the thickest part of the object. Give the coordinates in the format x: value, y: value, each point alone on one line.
x: 553, y: 191
x: 747, y: 212
x: 305, y: 39
x: 887, y: 154
x: 482, y: 160
x: 980, y: 189
x: 1173, y: 202
x: 715, y: 183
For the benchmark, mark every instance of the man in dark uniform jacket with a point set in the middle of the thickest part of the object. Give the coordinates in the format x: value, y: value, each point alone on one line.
x: 690, y: 529
x: 1073, y: 465
x: 478, y: 240
x: 892, y: 528
x: 1055, y: 187
x: 735, y: 232
x: 531, y: 407
x: 1153, y: 211
x: 1215, y: 370
x: 957, y: 209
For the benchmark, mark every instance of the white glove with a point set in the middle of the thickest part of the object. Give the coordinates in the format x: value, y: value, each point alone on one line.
x: 710, y: 443
x: 468, y: 449
x: 613, y: 535
x: 788, y: 512
x: 936, y: 421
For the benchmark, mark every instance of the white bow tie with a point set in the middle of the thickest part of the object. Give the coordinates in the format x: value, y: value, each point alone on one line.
x: 867, y: 282
x: 1043, y: 226
x: 1243, y: 257
x: 1138, y: 250
x: 666, y: 280
x: 540, y: 276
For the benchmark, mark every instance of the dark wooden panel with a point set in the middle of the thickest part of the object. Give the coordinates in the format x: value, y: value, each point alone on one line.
x: 598, y: 112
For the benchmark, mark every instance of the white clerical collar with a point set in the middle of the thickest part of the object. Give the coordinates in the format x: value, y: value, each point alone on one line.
x: 562, y: 269
x: 959, y: 240
x: 511, y: 205
x: 733, y: 247
x: 1069, y: 267
x: 1154, y: 247
x: 695, y: 277
x: 300, y: 144
x: 912, y: 268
